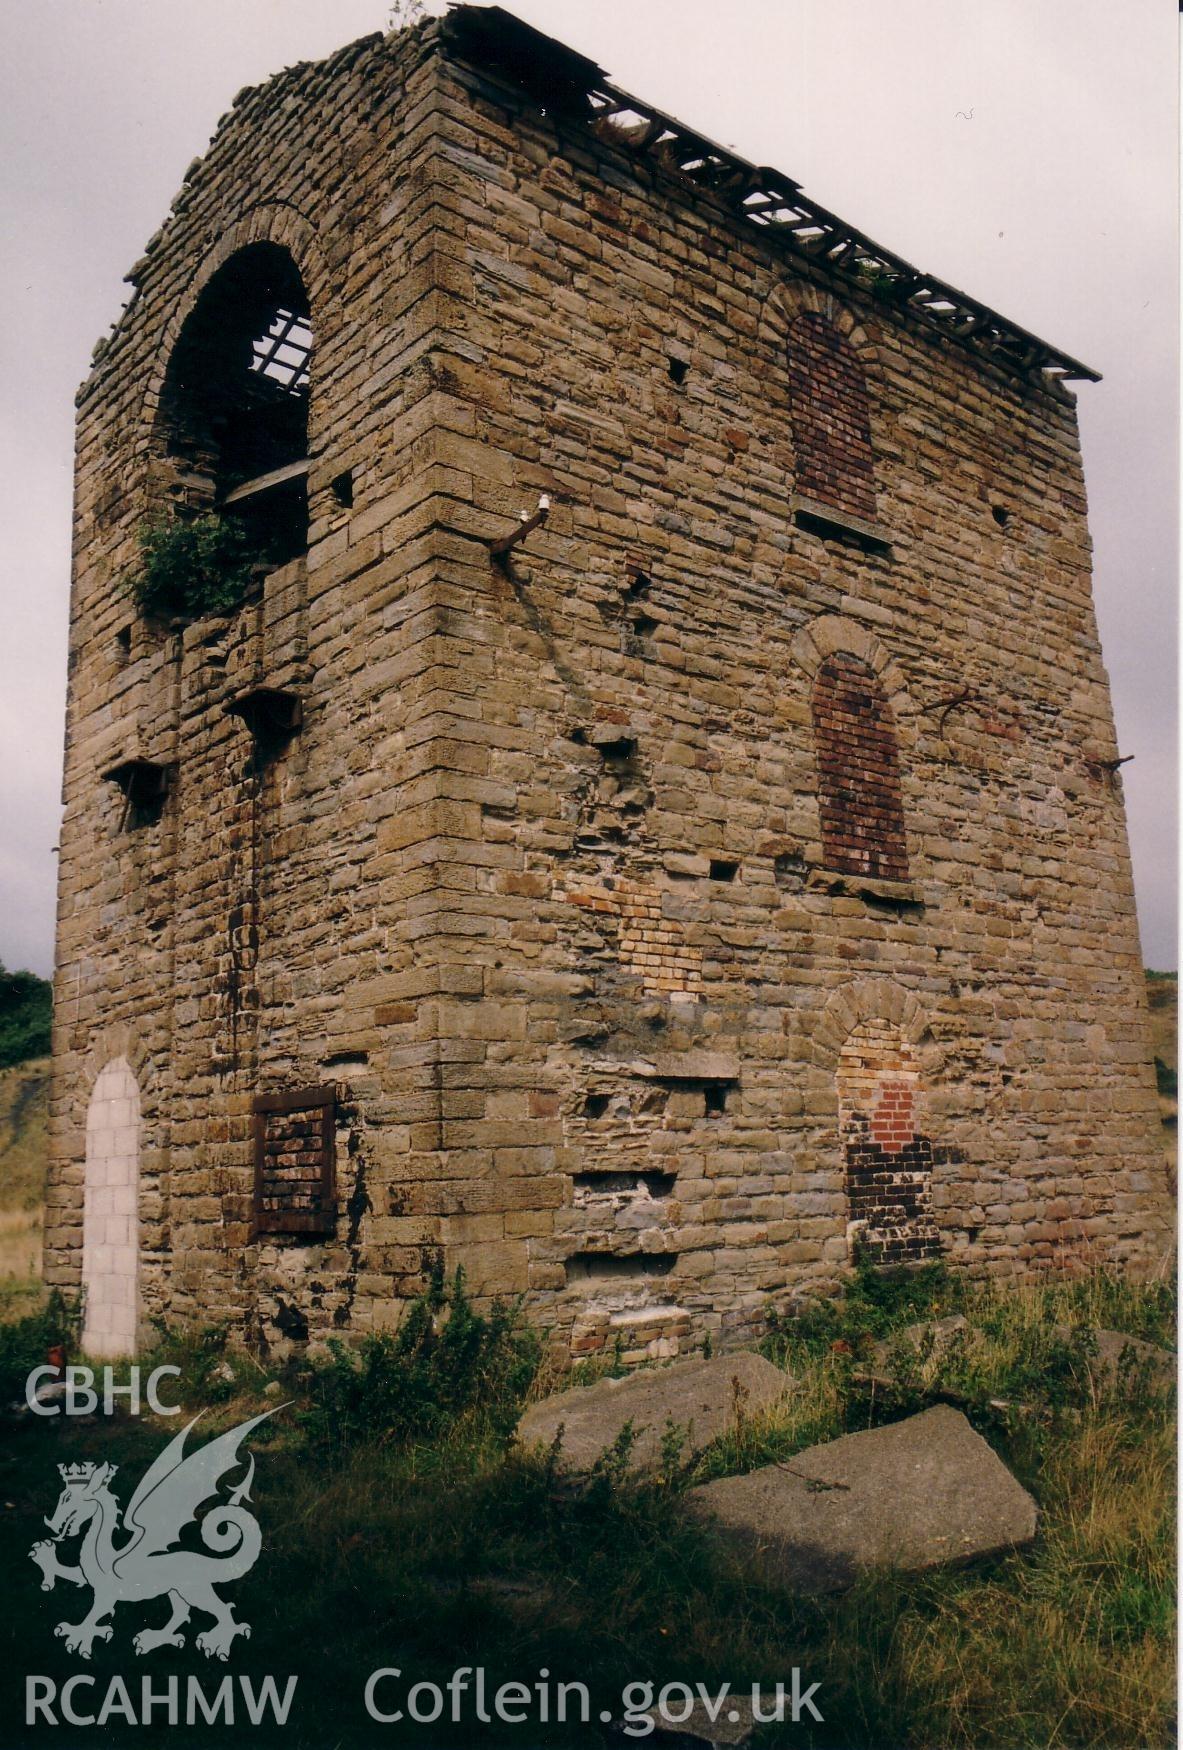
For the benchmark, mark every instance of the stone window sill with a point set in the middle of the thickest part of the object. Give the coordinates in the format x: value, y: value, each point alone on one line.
x: 676, y: 1066
x: 823, y: 519
x: 837, y: 882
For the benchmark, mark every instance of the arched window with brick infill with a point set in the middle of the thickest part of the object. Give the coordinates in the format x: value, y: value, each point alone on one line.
x: 831, y: 419
x: 859, y: 797
x: 889, y: 1159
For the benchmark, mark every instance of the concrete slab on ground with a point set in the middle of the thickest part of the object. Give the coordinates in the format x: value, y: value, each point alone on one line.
x: 914, y: 1495
x: 702, y: 1397
x: 716, y: 1725
x: 1118, y: 1355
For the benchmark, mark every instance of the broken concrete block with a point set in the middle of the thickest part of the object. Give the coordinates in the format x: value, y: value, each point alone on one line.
x: 1117, y: 1355
x: 711, y: 1723
x: 702, y: 1397
x: 927, y: 1342
x: 915, y: 1495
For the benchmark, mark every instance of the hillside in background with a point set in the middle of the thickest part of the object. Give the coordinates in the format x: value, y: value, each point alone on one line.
x: 1162, y: 991
x: 26, y: 1005
x: 24, y: 1114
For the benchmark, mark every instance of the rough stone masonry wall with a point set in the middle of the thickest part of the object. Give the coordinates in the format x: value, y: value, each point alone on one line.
x: 671, y: 608
x: 246, y: 942
x: 541, y: 883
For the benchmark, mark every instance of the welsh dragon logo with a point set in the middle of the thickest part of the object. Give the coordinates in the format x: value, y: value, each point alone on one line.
x: 145, y: 1564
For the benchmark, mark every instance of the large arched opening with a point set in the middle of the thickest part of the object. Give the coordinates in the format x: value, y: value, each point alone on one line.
x: 233, y: 415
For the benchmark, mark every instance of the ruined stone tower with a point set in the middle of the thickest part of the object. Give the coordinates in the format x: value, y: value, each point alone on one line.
x: 640, y: 904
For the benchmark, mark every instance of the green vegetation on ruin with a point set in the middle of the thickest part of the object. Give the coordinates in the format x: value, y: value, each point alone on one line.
x: 192, y: 566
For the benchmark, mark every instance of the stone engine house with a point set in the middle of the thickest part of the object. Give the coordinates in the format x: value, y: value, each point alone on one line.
x: 652, y: 826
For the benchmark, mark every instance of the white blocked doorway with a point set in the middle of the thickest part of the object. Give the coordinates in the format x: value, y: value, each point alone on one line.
x: 111, y: 1213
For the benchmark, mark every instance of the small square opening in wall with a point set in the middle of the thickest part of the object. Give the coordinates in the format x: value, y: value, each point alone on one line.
x: 679, y: 371
x: 295, y: 1161
x: 342, y: 489
x: 723, y: 869
x: 715, y: 1097
x: 123, y: 645
x: 617, y: 751
x: 144, y: 786
x: 273, y: 718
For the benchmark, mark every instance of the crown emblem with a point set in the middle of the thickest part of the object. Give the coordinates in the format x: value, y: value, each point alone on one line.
x: 76, y: 1473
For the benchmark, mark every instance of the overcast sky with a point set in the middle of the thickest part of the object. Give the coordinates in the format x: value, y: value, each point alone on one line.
x: 1023, y: 149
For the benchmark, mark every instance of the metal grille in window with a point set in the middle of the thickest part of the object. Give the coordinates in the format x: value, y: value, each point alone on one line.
x: 295, y: 1190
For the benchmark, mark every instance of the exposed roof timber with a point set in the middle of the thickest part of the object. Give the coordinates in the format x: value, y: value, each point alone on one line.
x: 282, y: 354
x: 550, y: 71
x: 553, y: 73
x: 268, y: 482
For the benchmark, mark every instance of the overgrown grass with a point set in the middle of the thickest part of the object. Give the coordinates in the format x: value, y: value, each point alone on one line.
x: 20, y: 1261
x: 24, y: 1110
x: 1073, y: 1645
x: 26, y: 1339
x: 446, y: 1368
x: 402, y: 1529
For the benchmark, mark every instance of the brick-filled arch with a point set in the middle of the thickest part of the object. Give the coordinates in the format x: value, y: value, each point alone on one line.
x: 831, y: 417
x: 859, y: 797
x: 889, y: 1159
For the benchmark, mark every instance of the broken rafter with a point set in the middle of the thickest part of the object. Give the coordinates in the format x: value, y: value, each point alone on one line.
x: 268, y: 482
x: 777, y: 204
x: 555, y: 74
x: 284, y: 352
